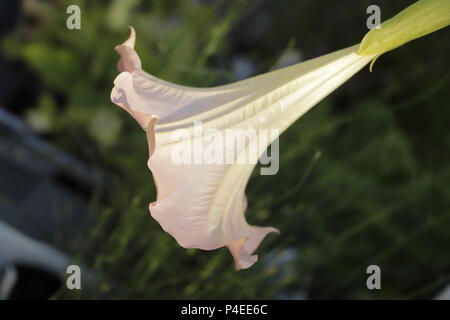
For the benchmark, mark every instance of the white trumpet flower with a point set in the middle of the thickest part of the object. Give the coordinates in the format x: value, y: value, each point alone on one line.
x: 203, y: 205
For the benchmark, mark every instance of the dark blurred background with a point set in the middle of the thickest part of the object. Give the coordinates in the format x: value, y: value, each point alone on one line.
x: 364, y: 177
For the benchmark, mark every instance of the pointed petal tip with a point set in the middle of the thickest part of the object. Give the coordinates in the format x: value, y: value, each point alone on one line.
x: 242, y: 249
x: 242, y: 259
x: 131, y: 39
x: 129, y: 59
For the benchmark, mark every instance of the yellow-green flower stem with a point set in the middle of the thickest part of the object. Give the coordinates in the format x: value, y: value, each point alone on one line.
x: 419, y: 19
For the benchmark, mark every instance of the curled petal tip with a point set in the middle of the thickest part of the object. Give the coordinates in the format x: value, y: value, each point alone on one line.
x: 242, y: 259
x: 131, y: 39
x: 129, y: 59
x: 242, y: 249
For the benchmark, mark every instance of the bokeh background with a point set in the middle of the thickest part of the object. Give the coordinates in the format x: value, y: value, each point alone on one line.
x: 364, y: 177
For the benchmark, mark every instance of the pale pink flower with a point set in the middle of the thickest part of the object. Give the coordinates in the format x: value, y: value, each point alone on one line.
x: 200, y: 205
x: 203, y: 205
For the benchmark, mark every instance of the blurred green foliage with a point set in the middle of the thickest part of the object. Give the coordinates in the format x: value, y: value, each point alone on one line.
x: 364, y: 177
